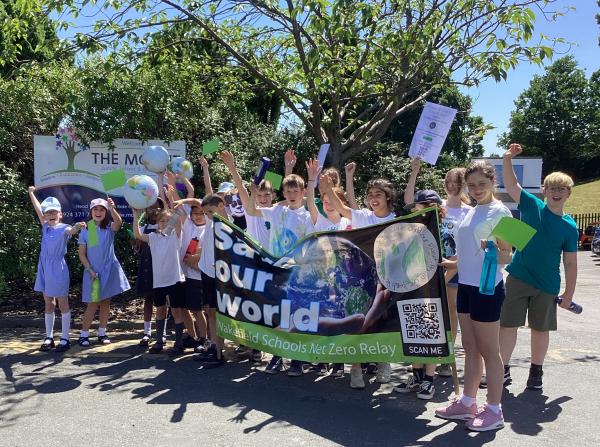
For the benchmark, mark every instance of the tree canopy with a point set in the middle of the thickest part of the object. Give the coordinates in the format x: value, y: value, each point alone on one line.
x: 326, y: 59
x: 26, y: 35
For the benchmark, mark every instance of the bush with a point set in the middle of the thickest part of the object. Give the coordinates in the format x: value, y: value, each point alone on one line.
x: 19, y: 232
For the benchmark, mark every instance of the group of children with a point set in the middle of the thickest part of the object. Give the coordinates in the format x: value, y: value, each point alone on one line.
x: 176, y: 268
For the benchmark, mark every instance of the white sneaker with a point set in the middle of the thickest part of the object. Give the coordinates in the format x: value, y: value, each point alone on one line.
x: 384, y: 370
x: 356, y: 378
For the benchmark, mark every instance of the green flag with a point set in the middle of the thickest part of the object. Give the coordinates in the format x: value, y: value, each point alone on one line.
x: 274, y: 178
x: 210, y: 146
x: 92, y: 233
x: 113, y: 179
x: 514, y: 231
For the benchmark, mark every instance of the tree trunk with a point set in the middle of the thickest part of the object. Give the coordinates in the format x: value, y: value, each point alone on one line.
x: 335, y: 156
x: 71, y: 159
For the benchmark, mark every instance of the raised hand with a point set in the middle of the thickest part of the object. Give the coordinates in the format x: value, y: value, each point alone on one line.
x: 325, y: 183
x: 31, y: 189
x: 290, y: 159
x: 313, y: 169
x: 415, y: 164
x: 228, y: 160
x: 111, y: 202
x: 350, y: 168
x: 203, y: 162
x: 253, y: 189
x: 171, y: 177
x: 513, y: 150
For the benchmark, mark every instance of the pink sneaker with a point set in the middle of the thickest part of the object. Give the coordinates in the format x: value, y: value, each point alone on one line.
x: 485, y: 420
x: 457, y: 411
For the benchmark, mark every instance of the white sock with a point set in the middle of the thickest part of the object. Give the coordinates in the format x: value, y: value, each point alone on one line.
x: 84, y: 334
x: 467, y: 401
x: 101, y: 331
x: 49, y: 320
x: 66, y: 325
x: 147, y: 327
x: 494, y: 408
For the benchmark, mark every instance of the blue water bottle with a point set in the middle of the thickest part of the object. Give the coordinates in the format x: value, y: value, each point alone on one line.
x: 574, y: 307
x: 262, y: 170
x: 487, y: 283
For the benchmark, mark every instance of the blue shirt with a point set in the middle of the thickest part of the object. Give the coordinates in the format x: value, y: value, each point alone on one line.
x: 539, y: 262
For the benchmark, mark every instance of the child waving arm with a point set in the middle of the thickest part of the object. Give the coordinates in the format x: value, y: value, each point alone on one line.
x: 116, y: 217
x: 312, y: 167
x: 36, y: 204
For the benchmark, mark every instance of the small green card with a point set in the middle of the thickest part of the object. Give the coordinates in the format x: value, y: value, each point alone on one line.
x: 210, y: 146
x: 513, y: 231
x: 92, y: 233
x: 113, y: 179
x: 274, y: 178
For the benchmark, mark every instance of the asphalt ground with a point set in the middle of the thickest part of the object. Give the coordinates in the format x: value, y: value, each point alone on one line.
x: 119, y: 395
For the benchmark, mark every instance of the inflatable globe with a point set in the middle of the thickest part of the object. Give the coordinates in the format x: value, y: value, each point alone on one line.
x: 336, y: 273
x: 155, y: 159
x: 181, y: 166
x: 140, y: 191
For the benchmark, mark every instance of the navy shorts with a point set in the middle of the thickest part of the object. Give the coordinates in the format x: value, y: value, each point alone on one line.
x: 176, y: 293
x: 210, y: 291
x: 194, y: 292
x: 483, y: 308
x: 453, y: 281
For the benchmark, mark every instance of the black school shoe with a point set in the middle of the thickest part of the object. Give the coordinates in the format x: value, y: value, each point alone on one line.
x: 275, y: 365
x: 63, y: 347
x: 176, y: 351
x: 296, y: 368
x: 156, y: 348
x: 534, y: 382
x: 212, y: 360
x: 189, y: 342
x: 207, y: 353
x: 47, y: 345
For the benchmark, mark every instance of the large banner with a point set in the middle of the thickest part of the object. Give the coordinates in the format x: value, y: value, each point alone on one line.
x: 371, y: 294
x: 70, y: 171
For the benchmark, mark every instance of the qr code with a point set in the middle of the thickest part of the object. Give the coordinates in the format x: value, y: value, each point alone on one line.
x: 422, y: 321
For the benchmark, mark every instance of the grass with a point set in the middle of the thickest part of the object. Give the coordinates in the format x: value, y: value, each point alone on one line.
x: 585, y: 198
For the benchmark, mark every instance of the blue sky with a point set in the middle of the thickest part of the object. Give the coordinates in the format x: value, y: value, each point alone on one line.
x: 494, y: 101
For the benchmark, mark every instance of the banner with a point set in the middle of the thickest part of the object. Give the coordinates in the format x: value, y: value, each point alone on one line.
x: 374, y: 294
x: 71, y: 171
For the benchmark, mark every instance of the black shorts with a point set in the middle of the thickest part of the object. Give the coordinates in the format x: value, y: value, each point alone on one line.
x: 176, y: 293
x: 210, y: 291
x: 194, y: 293
x: 483, y: 308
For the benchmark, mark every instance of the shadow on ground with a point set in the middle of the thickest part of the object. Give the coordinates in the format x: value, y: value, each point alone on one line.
x: 322, y: 405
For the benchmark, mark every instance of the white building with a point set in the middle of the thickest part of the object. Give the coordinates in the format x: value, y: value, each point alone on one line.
x: 529, y: 175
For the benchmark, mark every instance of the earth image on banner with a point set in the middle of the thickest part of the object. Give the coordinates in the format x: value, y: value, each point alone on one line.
x: 334, y: 272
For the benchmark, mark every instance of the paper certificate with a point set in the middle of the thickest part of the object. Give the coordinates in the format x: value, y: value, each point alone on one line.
x: 432, y: 130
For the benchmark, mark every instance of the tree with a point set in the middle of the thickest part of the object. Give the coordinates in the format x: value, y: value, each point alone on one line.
x: 554, y: 118
x: 26, y: 35
x: 325, y: 58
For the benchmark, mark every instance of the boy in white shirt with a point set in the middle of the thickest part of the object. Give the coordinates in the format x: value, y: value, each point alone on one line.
x: 192, y: 233
x: 167, y: 276
x: 287, y: 224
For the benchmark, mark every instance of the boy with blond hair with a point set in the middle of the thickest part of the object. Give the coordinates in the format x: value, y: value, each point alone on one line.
x: 534, y: 273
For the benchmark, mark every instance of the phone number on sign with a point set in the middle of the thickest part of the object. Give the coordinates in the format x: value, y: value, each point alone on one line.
x: 75, y: 214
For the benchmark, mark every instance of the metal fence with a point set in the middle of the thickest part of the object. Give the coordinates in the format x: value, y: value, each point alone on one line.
x: 585, y: 219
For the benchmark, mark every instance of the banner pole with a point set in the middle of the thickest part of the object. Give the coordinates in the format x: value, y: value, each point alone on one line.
x: 455, y: 379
